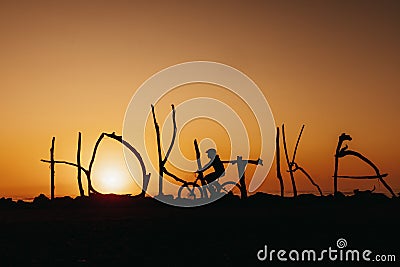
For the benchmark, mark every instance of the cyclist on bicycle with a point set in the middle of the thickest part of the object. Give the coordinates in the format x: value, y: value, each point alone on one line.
x: 216, y: 163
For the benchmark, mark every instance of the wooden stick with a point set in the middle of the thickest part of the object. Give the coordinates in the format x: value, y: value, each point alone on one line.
x: 52, y: 169
x: 96, y: 146
x: 343, y: 137
x: 173, y: 135
x: 161, y: 161
x: 241, y: 167
x: 160, y: 165
x: 78, y: 160
x: 362, y: 177
x: 309, y: 178
x: 297, y: 143
x: 87, y: 173
x: 176, y: 178
x: 290, y: 165
x: 67, y: 163
x: 278, y: 163
x: 199, y: 167
x: 197, y: 151
x: 145, y: 175
x: 345, y: 152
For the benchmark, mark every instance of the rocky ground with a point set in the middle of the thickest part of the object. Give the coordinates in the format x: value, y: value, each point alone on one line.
x: 120, y: 230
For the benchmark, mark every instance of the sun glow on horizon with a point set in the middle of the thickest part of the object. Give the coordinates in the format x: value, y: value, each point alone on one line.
x: 112, y: 180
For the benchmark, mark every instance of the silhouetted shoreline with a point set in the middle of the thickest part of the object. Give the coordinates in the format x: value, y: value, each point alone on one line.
x: 257, y: 200
x: 111, y: 229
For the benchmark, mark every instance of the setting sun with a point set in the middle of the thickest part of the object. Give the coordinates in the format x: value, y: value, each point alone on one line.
x: 112, y: 179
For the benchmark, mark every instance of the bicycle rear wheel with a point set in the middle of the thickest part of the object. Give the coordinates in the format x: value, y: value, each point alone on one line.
x: 230, y: 188
x: 190, y: 191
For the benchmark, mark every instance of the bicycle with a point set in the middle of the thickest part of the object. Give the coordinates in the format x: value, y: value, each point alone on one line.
x: 192, y: 190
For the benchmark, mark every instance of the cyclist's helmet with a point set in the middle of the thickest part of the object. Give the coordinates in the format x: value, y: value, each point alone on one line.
x: 211, y: 152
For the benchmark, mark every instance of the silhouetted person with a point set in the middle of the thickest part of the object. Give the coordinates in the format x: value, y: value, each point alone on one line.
x: 216, y: 163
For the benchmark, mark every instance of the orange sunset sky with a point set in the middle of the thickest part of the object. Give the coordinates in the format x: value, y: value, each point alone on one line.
x: 69, y: 66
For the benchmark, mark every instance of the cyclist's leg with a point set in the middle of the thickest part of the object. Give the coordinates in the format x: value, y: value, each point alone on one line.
x: 212, y: 181
x: 211, y: 177
x: 216, y: 183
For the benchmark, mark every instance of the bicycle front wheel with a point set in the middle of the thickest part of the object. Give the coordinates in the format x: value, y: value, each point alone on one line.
x: 190, y: 191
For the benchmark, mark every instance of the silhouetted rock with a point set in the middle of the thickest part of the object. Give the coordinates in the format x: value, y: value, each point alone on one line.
x: 260, y: 198
x: 6, y: 203
x: 368, y: 196
x: 23, y: 204
x: 41, y: 200
x: 339, y: 195
x: 308, y: 197
x: 65, y: 201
